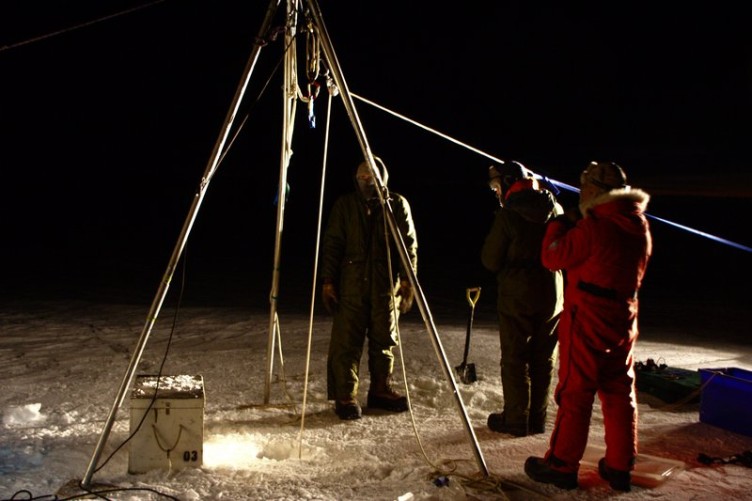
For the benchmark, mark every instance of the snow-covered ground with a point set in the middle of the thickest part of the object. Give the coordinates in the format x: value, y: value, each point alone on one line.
x: 101, y: 227
x: 63, y: 362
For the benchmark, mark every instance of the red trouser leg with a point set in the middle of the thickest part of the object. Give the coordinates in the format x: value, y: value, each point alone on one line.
x: 583, y: 371
x: 619, y: 404
x: 575, y: 394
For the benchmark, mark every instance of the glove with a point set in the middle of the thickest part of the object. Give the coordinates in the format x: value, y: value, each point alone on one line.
x: 329, y: 296
x: 406, y: 295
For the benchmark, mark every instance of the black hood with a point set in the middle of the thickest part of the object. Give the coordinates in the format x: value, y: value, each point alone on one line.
x: 537, y: 206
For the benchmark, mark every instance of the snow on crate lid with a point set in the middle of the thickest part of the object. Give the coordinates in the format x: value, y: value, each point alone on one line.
x: 182, y: 386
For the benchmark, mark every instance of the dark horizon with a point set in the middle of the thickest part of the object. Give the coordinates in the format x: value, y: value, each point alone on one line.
x: 107, y: 130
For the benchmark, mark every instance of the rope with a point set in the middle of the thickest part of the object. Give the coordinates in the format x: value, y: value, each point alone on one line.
x: 741, y: 459
x: 313, y: 302
x: 552, y: 181
x: 687, y: 398
x: 703, y: 234
x: 445, y: 467
x: 283, y: 376
x: 332, y: 93
x: 159, y: 442
x: 425, y: 127
x: 399, y: 348
x: 313, y: 51
x: 75, y: 27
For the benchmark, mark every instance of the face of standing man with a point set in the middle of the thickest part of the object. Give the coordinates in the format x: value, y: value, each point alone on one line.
x: 366, y: 182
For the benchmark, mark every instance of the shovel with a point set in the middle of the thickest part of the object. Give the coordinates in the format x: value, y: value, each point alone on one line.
x: 465, y: 371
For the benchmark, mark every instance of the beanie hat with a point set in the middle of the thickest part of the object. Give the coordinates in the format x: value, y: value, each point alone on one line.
x: 605, y: 175
x: 507, y: 174
x: 512, y: 171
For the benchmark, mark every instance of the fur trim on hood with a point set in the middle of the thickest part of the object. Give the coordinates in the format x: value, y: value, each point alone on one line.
x: 635, y: 195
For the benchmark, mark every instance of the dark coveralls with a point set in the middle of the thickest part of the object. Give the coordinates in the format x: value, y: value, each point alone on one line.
x: 354, y: 256
x: 529, y: 302
x: 604, y: 256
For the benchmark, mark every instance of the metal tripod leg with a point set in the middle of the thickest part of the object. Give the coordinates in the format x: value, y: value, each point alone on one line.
x: 331, y: 57
x: 178, y: 250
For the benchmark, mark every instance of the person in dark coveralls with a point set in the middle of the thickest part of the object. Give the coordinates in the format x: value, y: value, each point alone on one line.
x: 529, y: 298
x: 604, y: 248
x: 360, y: 293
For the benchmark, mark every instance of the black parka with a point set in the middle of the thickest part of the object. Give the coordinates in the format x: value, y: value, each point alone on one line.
x: 529, y: 303
x: 356, y: 260
x: 354, y: 248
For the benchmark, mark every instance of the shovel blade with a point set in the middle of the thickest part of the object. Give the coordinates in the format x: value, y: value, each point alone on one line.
x: 467, y: 373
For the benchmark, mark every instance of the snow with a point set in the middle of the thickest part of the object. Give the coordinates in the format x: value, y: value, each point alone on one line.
x: 64, y: 360
x: 64, y: 355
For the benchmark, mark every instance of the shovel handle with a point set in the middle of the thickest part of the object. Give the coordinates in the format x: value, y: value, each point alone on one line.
x: 473, y: 294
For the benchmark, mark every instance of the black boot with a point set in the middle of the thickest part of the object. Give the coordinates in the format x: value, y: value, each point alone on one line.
x: 497, y: 422
x: 537, y: 424
x: 347, y: 409
x: 617, y: 479
x: 382, y: 396
x: 540, y: 470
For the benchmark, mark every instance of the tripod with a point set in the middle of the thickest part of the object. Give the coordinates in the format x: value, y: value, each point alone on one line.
x: 217, y: 152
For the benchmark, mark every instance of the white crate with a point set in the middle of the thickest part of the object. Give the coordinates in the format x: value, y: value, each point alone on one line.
x: 171, y: 435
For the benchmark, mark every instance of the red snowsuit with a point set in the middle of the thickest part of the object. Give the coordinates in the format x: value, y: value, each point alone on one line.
x: 604, y: 256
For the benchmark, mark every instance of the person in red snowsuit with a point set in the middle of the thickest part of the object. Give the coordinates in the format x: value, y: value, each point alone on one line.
x: 603, y: 248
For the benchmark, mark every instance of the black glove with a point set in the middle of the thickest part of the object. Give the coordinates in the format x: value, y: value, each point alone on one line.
x: 406, y: 295
x: 329, y: 296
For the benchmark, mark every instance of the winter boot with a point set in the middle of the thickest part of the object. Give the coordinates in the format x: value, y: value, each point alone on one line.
x: 347, y: 409
x: 497, y: 422
x: 617, y: 479
x: 540, y: 470
x: 382, y: 396
x: 537, y: 424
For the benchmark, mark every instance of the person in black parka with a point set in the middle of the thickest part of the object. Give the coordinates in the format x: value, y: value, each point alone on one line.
x: 362, y: 296
x: 530, y: 297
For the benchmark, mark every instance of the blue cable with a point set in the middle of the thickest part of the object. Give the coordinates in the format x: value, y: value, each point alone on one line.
x: 677, y: 225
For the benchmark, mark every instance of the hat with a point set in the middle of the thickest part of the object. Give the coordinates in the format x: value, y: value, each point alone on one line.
x: 507, y: 173
x: 604, y: 175
x: 363, y: 168
x: 513, y: 170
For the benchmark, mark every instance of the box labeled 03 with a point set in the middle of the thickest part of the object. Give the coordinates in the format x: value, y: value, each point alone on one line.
x: 167, y: 423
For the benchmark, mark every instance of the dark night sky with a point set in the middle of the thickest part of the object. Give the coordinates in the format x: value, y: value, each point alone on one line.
x: 107, y: 129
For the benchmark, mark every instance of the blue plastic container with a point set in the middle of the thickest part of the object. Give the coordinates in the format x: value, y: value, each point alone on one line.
x: 726, y: 399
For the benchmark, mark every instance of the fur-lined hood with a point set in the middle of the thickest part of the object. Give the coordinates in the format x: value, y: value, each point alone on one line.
x: 636, y: 195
